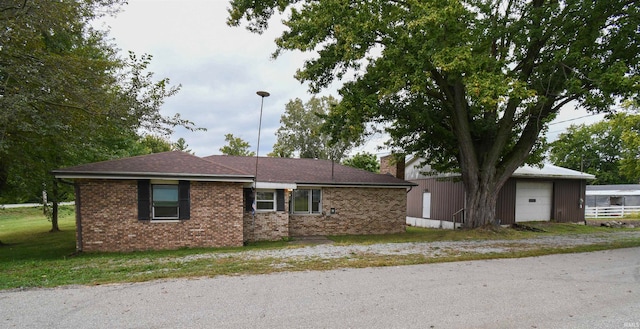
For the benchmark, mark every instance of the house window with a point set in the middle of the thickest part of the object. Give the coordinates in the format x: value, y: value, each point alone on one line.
x: 165, y: 201
x: 266, y: 200
x: 307, y: 201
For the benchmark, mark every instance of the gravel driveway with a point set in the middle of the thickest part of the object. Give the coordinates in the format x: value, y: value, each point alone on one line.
x: 428, y: 249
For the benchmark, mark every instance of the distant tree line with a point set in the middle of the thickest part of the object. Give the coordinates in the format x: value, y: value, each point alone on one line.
x: 301, y: 135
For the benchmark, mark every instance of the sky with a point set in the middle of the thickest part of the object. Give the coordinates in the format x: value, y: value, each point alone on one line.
x: 220, y: 69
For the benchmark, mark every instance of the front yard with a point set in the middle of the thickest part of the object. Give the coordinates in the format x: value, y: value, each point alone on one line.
x: 33, y: 257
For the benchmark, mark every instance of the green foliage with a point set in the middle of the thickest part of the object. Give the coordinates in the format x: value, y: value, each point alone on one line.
x: 155, y: 144
x: 236, y: 146
x: 469, y: 85
x: 181, y: 145
x: 66, y: 96
x: 364, y: 160
x: 598, y: 149
x: 629, y: 125
x: 300, y: 131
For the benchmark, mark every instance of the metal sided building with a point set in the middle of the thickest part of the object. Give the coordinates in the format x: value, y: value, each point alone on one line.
x: 627, y: 195
x: 550, y: 193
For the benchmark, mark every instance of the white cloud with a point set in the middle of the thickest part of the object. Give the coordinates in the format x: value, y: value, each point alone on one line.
x: 220, y: 69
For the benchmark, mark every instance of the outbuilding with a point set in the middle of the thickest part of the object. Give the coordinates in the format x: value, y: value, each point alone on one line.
x: 613, y: 195
x: 549, y: 193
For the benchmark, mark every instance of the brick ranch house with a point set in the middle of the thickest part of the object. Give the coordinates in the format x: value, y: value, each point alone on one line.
x: 174, y: 199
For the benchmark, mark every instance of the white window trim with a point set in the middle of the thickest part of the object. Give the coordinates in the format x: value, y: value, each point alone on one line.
x: 275, y: 200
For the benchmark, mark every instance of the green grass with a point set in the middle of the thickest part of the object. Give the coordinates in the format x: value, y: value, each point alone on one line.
x: 25, y: 233
x: 416, y: 234
x: 629, y: 219
x: 33, y: 257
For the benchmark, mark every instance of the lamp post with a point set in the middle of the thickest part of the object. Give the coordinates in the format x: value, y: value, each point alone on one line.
x: 262, y: 95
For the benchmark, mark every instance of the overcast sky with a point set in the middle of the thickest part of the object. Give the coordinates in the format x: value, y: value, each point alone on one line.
x: 220, y: 69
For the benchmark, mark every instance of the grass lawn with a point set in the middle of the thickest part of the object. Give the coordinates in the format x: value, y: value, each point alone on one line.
x: 31, y: 256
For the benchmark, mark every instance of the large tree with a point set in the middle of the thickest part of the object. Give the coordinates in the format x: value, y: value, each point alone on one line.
x: 301, y: 131
x: 66, y: 95
x: 471, y: 84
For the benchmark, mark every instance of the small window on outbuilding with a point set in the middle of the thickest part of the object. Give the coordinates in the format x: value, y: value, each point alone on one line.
x: 616, y: 201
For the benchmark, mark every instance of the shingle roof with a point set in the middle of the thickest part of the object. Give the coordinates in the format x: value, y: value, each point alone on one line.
x: 181, y: 165
x: 166, y: 164
x: 305, y: 171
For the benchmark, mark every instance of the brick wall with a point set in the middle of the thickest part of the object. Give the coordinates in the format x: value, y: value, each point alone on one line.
x: 358, y: 211
x: 109, y: 218
x: 267, y: 226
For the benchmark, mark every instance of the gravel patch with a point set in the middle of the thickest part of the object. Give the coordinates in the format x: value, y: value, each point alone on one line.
x: 427, y: 249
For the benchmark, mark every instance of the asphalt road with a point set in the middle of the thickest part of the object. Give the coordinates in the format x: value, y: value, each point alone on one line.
x: 589, y: 290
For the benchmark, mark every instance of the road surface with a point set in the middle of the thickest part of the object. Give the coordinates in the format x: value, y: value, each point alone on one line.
x: 587, y: 290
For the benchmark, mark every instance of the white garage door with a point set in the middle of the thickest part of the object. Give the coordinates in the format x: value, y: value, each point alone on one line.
x: 533, y: 201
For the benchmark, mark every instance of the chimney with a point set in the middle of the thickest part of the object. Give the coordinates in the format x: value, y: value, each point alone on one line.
x: 393, y: 164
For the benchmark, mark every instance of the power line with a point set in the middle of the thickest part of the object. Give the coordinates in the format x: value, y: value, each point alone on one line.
x: 568, y: 120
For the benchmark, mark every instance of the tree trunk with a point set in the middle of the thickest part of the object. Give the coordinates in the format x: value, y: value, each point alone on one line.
x: 482, y: 186
x: 481, y: 205
x: 54, y: 212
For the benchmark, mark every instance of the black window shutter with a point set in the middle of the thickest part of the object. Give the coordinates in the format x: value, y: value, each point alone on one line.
x: 184, y: 200
x: 248, y: 199
x: 144, y: 199
x: 280, y: 200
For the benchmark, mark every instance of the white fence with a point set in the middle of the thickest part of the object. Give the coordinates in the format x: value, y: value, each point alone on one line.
x: 611, y: 211
x: 28, y: 205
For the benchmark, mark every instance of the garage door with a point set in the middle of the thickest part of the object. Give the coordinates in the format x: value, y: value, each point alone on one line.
x: 533, y: 201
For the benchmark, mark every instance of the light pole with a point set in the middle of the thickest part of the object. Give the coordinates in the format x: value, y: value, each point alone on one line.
x: 262, y: 95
